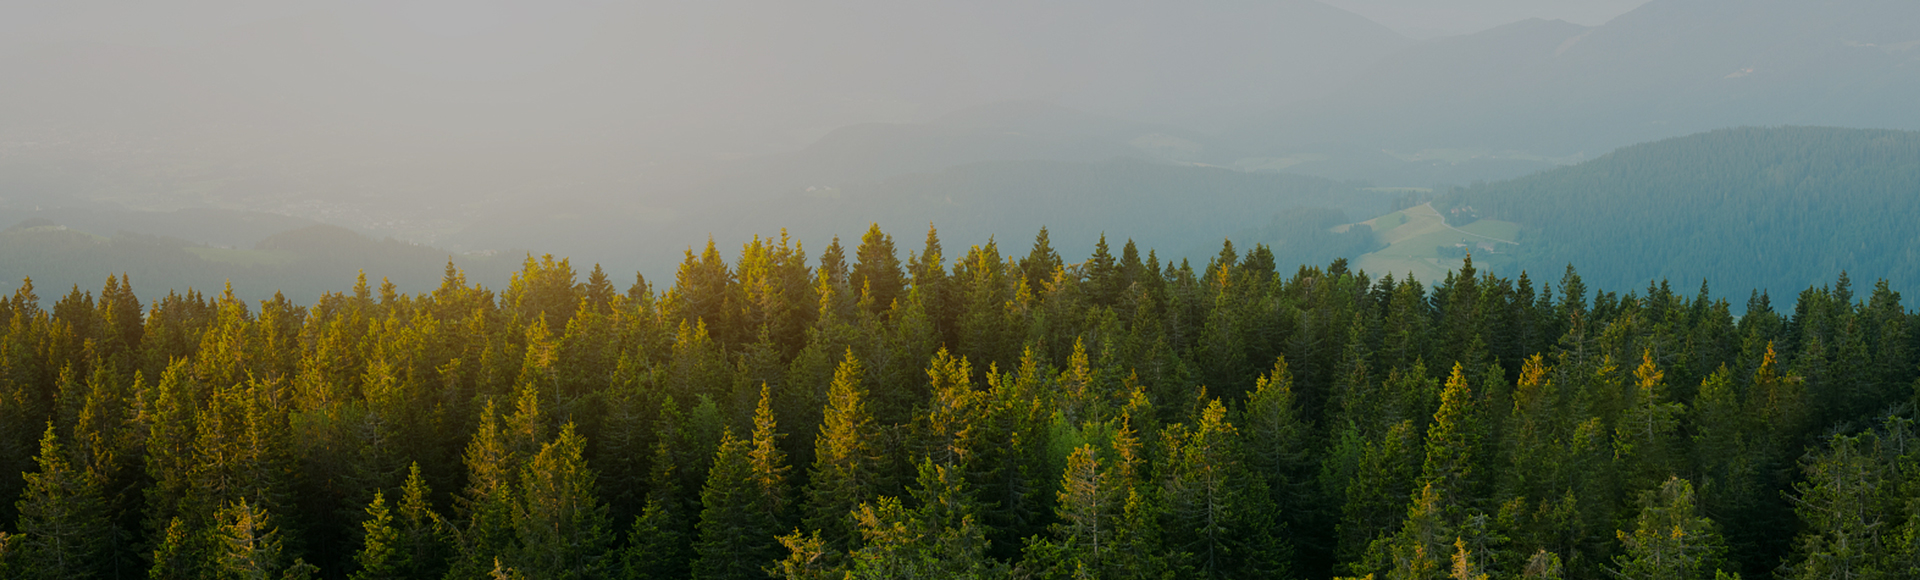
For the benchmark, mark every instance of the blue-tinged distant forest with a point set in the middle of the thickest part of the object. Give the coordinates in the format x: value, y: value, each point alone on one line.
x: 1773, y: 209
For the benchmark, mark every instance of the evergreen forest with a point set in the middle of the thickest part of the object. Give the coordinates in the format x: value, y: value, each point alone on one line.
x: 984, y: 413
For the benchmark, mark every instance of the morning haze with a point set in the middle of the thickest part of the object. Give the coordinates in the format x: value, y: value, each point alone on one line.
x: 622, y: 133
x: 970, y: 290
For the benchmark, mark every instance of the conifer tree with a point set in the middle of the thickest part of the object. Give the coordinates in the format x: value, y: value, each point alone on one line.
x: 845, y: 471
x: 1645, y: 438
x: 1419, y: 550
x: 180, y: 553
x: 658, y: 547
x: 63, y: 523
x: 559, y: 521
x: 381, y: 556
x: 946, y: 428
x: 249, y: 545
x: 1451, y: 442
x: 169, y: 420
x: 1219, y: 511
x: 1276, y: 432
x: 876, y: 270
x: 807, y: 559
x: 1671, y: 540
x: 1377, y: 497
x: 1040, y: 263
x: 417, y: 543
x: 483, y: 527
x: 939, y: 539
x: 1851, y: 507
x: 737, y: 533
x: 769, y: 464
x: 1085, y: 509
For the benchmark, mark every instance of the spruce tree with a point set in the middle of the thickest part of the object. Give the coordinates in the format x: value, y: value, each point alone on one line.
x: 1671, y: 540
x: 876, y: 271
x: 482, y: 530
x: 941, y: 538
x: 417, y: 542
x: 1645, y: 439
x: 845, y: 463
x: 1851, y: 507
x: 63, y: 524
x: 737, y: 535
x: 1085, y: 509
x: 381, y: 556
x: 1452, y: 441
x: 559, y: 521
x: 248, y: 544
x: 658, y: 547
x: 1218, y: 510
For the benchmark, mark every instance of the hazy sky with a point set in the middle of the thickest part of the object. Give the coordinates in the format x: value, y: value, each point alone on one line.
x: 1430, y: 18
x: 28, y: 19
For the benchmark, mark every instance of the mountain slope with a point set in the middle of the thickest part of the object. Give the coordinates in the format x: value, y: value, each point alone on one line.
x: 1773, y: 208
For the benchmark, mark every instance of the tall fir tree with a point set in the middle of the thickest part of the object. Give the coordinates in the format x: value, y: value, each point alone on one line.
x: 63, y: 525
x: 559, y: 521
x: 736, y: 534
x: 845, y: 462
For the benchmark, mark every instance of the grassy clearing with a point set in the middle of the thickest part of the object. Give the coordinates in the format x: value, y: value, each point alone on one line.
x: 1414, y: 237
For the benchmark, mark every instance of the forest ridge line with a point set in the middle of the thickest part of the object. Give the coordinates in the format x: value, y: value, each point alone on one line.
x: 859, y: 415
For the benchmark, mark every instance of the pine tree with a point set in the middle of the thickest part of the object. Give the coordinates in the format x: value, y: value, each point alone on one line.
x: 1850, y: 507
x: 417, y: 544
x: 1670, y: 540
x: 381, y: 556
x: 1219, y: 507
x: 939, y: 539
x: 1086, y: 504
x: 559, y: 521
x: 876, y: 271
x: 1645, y: 439
x: 737, y: 535
x: 249, y: 546
x: 658, y: 546
x: 1451, y: 442
x: 63, y: 523
x: 484, y: 511
x: 845, y: 471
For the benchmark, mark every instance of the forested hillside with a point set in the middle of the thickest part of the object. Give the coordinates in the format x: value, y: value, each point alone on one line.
x: 984, y: 413
x: 1774, y: 209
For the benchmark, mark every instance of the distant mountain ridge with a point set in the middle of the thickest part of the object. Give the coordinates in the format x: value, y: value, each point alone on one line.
x: 1779, y: 209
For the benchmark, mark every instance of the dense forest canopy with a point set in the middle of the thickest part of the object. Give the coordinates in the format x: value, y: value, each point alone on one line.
x: 961, y: 414
x: 1773, y: 209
